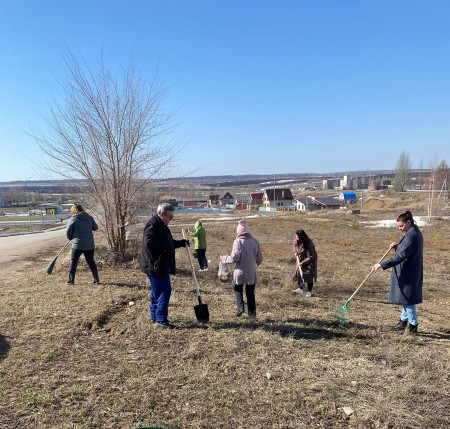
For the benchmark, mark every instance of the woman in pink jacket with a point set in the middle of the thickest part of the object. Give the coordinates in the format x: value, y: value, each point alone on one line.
x: 247, y: 255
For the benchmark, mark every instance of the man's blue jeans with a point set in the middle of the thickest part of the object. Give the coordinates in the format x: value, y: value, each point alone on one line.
x: 409, y: 314
x: 160, y: 291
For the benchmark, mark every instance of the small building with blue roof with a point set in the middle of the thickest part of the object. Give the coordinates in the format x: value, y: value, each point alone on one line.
x: 348, y: 197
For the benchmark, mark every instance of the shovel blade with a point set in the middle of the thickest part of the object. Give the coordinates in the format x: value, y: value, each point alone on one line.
x: 202, y: 313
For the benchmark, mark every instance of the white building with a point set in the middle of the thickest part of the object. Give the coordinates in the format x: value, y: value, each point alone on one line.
x: 346, y: 182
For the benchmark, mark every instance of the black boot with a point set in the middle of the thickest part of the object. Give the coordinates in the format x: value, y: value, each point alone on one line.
x: 412, y: 329
x: 401, y: 326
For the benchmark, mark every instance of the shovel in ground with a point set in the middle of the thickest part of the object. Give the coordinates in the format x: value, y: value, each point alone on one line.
x: 201, y: 310
x: 341, y: 313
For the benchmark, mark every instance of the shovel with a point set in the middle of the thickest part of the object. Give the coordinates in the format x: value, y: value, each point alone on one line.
x: 201, y: 310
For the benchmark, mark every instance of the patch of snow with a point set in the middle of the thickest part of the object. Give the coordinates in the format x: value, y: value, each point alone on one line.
x: 392, y: 223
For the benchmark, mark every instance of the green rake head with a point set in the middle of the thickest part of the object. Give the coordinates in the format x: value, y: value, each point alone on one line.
x: 342, y: 314
x: 51, y: 266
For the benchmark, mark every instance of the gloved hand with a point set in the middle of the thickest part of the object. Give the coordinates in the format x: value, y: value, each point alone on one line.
x: 185, y: 243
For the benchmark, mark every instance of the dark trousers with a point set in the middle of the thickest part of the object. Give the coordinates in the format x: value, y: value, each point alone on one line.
x: 250, y: 294
x: 89, y: 256
x: 301, y: 284
x: 201, y: 256
x: 159, y: 297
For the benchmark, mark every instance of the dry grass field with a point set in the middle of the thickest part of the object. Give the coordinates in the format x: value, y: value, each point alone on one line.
x: 88, y: 357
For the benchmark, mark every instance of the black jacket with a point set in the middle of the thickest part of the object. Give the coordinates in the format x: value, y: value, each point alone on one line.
x: 158, y: 248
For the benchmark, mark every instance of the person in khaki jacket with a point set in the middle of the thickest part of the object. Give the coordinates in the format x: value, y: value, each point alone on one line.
x: 199, y: 236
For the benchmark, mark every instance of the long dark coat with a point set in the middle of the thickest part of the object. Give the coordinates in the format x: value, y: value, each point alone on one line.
x: 158, y: 248
x: 307, y: 252
x: 407, y: 272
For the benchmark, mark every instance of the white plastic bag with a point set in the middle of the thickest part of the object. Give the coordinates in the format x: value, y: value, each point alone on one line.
x: 224, y: 271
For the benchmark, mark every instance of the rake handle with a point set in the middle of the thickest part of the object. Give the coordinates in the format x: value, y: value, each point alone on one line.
x: 59, y: 253
x: 368, y: 275
x: 299, y: 267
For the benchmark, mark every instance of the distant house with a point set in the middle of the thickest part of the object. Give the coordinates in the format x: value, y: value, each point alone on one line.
x: 348, y: 197
x: 256, y: 200
x: 213, y: 200
x: 306, y: 204
x: 328, y: 203
x: 226, y: 199
x: 277, y: 198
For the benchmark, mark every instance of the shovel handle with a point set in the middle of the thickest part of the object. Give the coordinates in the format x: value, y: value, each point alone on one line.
x: 368, y: 275
x: 193, y: 269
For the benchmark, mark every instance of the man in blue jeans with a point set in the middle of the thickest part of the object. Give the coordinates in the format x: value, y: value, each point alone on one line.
x: 158, y: 262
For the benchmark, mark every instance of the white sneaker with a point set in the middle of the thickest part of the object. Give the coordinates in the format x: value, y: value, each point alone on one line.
x: 206, y: 269
x: 298, y: 290
x: 308, y: 293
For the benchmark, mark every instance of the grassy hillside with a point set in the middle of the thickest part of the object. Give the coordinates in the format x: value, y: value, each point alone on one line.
x: 88, y: 357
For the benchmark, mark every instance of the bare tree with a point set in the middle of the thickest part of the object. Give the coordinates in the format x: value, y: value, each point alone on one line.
x: 402, y: 177
x: 110, y: 136
x: 441, y: 178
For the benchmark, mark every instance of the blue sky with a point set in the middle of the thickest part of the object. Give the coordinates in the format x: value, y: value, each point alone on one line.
x: 262, y: 87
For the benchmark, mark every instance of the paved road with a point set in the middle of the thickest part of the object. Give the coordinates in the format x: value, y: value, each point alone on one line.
x: 16, y: 249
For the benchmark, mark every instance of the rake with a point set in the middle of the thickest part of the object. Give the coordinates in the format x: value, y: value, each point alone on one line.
x: 51, y: 265
x: 300, y: 271
x: 341, y: 313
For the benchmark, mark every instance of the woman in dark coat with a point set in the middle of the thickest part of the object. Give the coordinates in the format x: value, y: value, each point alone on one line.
x: 79, y: 230
x: 306, y: 255
x: 407, y: 272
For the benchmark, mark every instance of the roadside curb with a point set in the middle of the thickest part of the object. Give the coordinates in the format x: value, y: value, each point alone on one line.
x: 33, y: 232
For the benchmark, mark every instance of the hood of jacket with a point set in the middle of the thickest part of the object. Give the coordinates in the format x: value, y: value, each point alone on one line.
x: 198, y: 225
x: 83, y: 216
